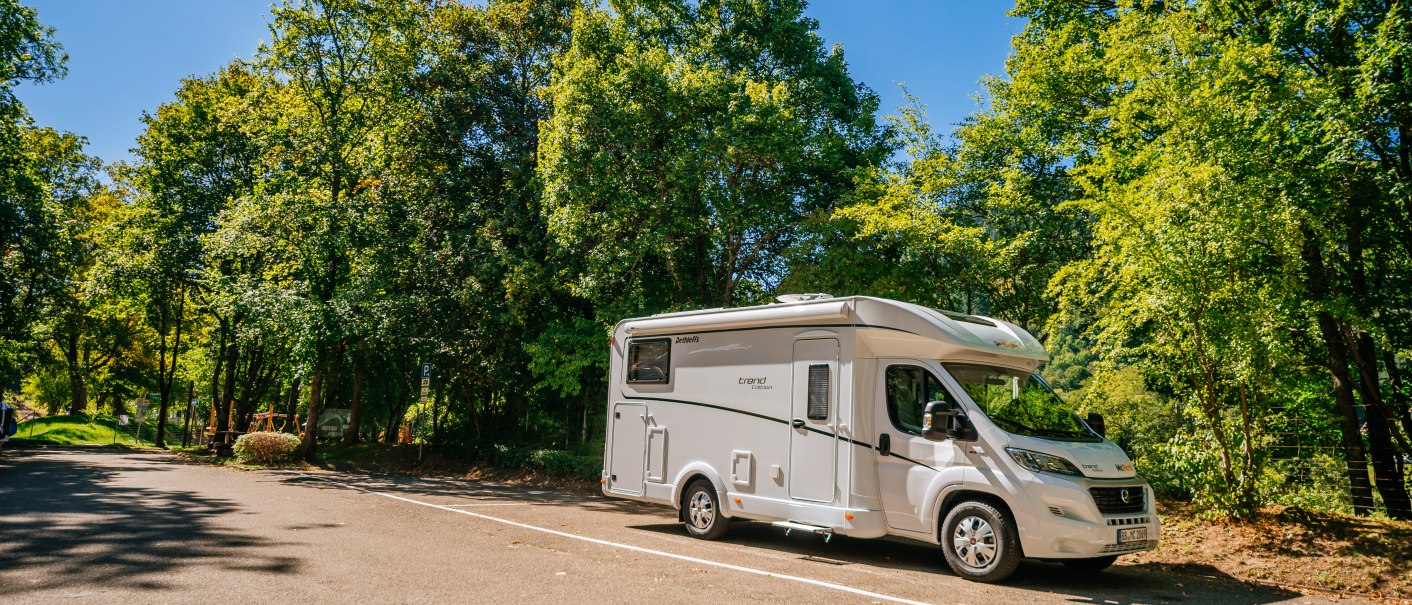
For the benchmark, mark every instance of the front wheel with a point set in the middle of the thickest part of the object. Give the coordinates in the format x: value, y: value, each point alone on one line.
x: 702, y: 512
x: 980, y: 542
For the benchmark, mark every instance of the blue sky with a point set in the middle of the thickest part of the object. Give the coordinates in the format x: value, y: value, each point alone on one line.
x: 127, y: 57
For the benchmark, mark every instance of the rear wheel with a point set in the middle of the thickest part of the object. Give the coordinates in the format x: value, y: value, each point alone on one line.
x: 980, y: 542
x: 1093, y: 565
x: 702, y: 512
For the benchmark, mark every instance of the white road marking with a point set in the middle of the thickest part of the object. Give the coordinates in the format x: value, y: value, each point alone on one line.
x: 749, y: 570
x: 489, y: 504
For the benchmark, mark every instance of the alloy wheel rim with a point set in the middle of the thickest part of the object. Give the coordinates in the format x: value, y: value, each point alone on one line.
x: 701, y: 511
x: 974, y: 542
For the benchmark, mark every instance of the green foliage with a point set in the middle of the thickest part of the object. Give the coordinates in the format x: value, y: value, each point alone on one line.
x: 1197, y: 205
x: 49, y: 389
x: 558, y: 463
x: 82, y: 429
x: 266, y: 447
x: 29, y: 231
x: 688, y: 143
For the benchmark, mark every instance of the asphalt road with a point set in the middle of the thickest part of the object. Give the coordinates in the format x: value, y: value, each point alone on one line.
x: 100, y: 526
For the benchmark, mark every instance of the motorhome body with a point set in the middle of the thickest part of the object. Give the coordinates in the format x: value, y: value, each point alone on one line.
x: 817, y: 415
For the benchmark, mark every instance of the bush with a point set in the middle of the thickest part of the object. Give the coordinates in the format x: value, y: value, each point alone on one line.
x: 555, y: 463
x: 266, y: 447
x: 564, y: 464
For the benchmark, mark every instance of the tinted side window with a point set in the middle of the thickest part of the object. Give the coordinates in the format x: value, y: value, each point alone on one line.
x: 649, y: 361
x: 819, y: 391
x: 909, y: 390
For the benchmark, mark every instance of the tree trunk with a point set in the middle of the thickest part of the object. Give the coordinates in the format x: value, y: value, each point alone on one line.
x: 352, y: 435
x: 1398, y: 399
x: 1359, y: 487
x: 189, y: 409
x: 78, y: 387
x: 292, y: 407
x: 1386, y: 471
x: 166, y: 377
x: 1248, y: 474
x: 396, y: 411
x: 308, y: 444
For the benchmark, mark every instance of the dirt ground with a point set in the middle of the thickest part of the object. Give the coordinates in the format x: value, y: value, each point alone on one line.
x: 1292, y: 548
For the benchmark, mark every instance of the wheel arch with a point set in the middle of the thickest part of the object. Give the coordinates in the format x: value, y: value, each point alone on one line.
x: 690, y: 474
x: 950, y: 499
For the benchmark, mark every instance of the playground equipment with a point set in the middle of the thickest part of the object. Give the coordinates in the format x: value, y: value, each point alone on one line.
x: 271, y: 421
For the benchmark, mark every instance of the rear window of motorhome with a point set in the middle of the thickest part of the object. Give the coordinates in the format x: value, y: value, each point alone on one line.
x: 649, y: 361
x: 819, y: 391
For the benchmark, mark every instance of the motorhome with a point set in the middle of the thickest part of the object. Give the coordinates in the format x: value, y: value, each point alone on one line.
x: 866, y: 417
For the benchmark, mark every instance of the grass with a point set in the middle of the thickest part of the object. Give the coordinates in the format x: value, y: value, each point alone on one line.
x: 80, y: 430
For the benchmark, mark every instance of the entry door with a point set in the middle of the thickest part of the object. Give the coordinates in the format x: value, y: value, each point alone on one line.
x: 626, y: 460
x: 904, y: 389
x: 812, y: 449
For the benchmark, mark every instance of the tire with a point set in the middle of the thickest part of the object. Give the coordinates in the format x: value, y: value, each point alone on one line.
x: 701, y: 511
x: 980, y: 542
x: 1093, y: 565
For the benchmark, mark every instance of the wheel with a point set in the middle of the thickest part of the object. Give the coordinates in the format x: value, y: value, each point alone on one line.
x: 1093, y: 565
x: 980, y: 542
x: 703, y: 512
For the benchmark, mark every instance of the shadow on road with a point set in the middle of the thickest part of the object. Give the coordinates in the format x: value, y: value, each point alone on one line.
x: 464, y: 491
x: 1120, y: 585
x: 88, y: 531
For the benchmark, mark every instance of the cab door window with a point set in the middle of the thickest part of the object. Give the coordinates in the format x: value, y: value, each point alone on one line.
x: 909, y: 389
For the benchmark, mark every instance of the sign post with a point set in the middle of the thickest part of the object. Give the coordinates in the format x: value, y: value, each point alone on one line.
x: 122, y: 421
x: 421, y: 417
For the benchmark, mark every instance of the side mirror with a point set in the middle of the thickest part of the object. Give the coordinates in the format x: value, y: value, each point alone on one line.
x: 1095, y: 422
x: 942, y: 421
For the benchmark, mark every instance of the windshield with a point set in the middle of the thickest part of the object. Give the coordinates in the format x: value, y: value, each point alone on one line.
x: 1020, y: 403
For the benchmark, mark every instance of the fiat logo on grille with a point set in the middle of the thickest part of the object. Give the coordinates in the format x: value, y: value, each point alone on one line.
x: 1123, y: 495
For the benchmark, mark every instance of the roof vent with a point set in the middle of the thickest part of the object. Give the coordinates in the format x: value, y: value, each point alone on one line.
x: 789, y: 298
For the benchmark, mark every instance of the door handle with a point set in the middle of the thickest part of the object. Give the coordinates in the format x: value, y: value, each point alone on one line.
x: 885, y: 444
x: 797, y: 423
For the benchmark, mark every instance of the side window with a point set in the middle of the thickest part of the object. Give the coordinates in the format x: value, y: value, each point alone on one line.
x: 649, y: 361
x: 909, y: 390
x: 819, y: 391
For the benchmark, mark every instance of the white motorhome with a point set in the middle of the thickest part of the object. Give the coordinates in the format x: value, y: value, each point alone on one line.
x: 868, y: 417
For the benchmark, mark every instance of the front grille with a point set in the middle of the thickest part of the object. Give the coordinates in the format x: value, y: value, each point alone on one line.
x: 1110, y: 499
x: 1112, y: 548
x: 1129, y: 521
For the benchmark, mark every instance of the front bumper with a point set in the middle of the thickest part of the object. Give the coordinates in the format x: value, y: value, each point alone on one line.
x: 1064, y: 522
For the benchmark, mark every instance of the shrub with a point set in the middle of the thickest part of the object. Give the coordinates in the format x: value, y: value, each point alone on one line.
x: 266, y: 447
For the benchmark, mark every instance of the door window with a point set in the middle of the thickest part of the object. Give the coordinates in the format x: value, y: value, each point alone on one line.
x: 909, y: 390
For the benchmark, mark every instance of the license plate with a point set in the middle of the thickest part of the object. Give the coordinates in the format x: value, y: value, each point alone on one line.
x: 1134, y: 534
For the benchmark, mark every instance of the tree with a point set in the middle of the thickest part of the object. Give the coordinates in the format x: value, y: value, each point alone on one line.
x: 28, y: 53
x: 197, y: 154
x: 1214, y: 142
x: 687, y: 145
x: 332, y: 57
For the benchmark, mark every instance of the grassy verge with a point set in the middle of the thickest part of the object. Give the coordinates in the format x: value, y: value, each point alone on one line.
x: 80, y: 430
x: 1294, y: 548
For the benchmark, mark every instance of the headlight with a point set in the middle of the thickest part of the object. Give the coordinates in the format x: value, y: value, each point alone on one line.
x: 1042, y: 463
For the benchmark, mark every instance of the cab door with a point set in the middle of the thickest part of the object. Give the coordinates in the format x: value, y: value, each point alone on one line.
x: 908, y: 463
